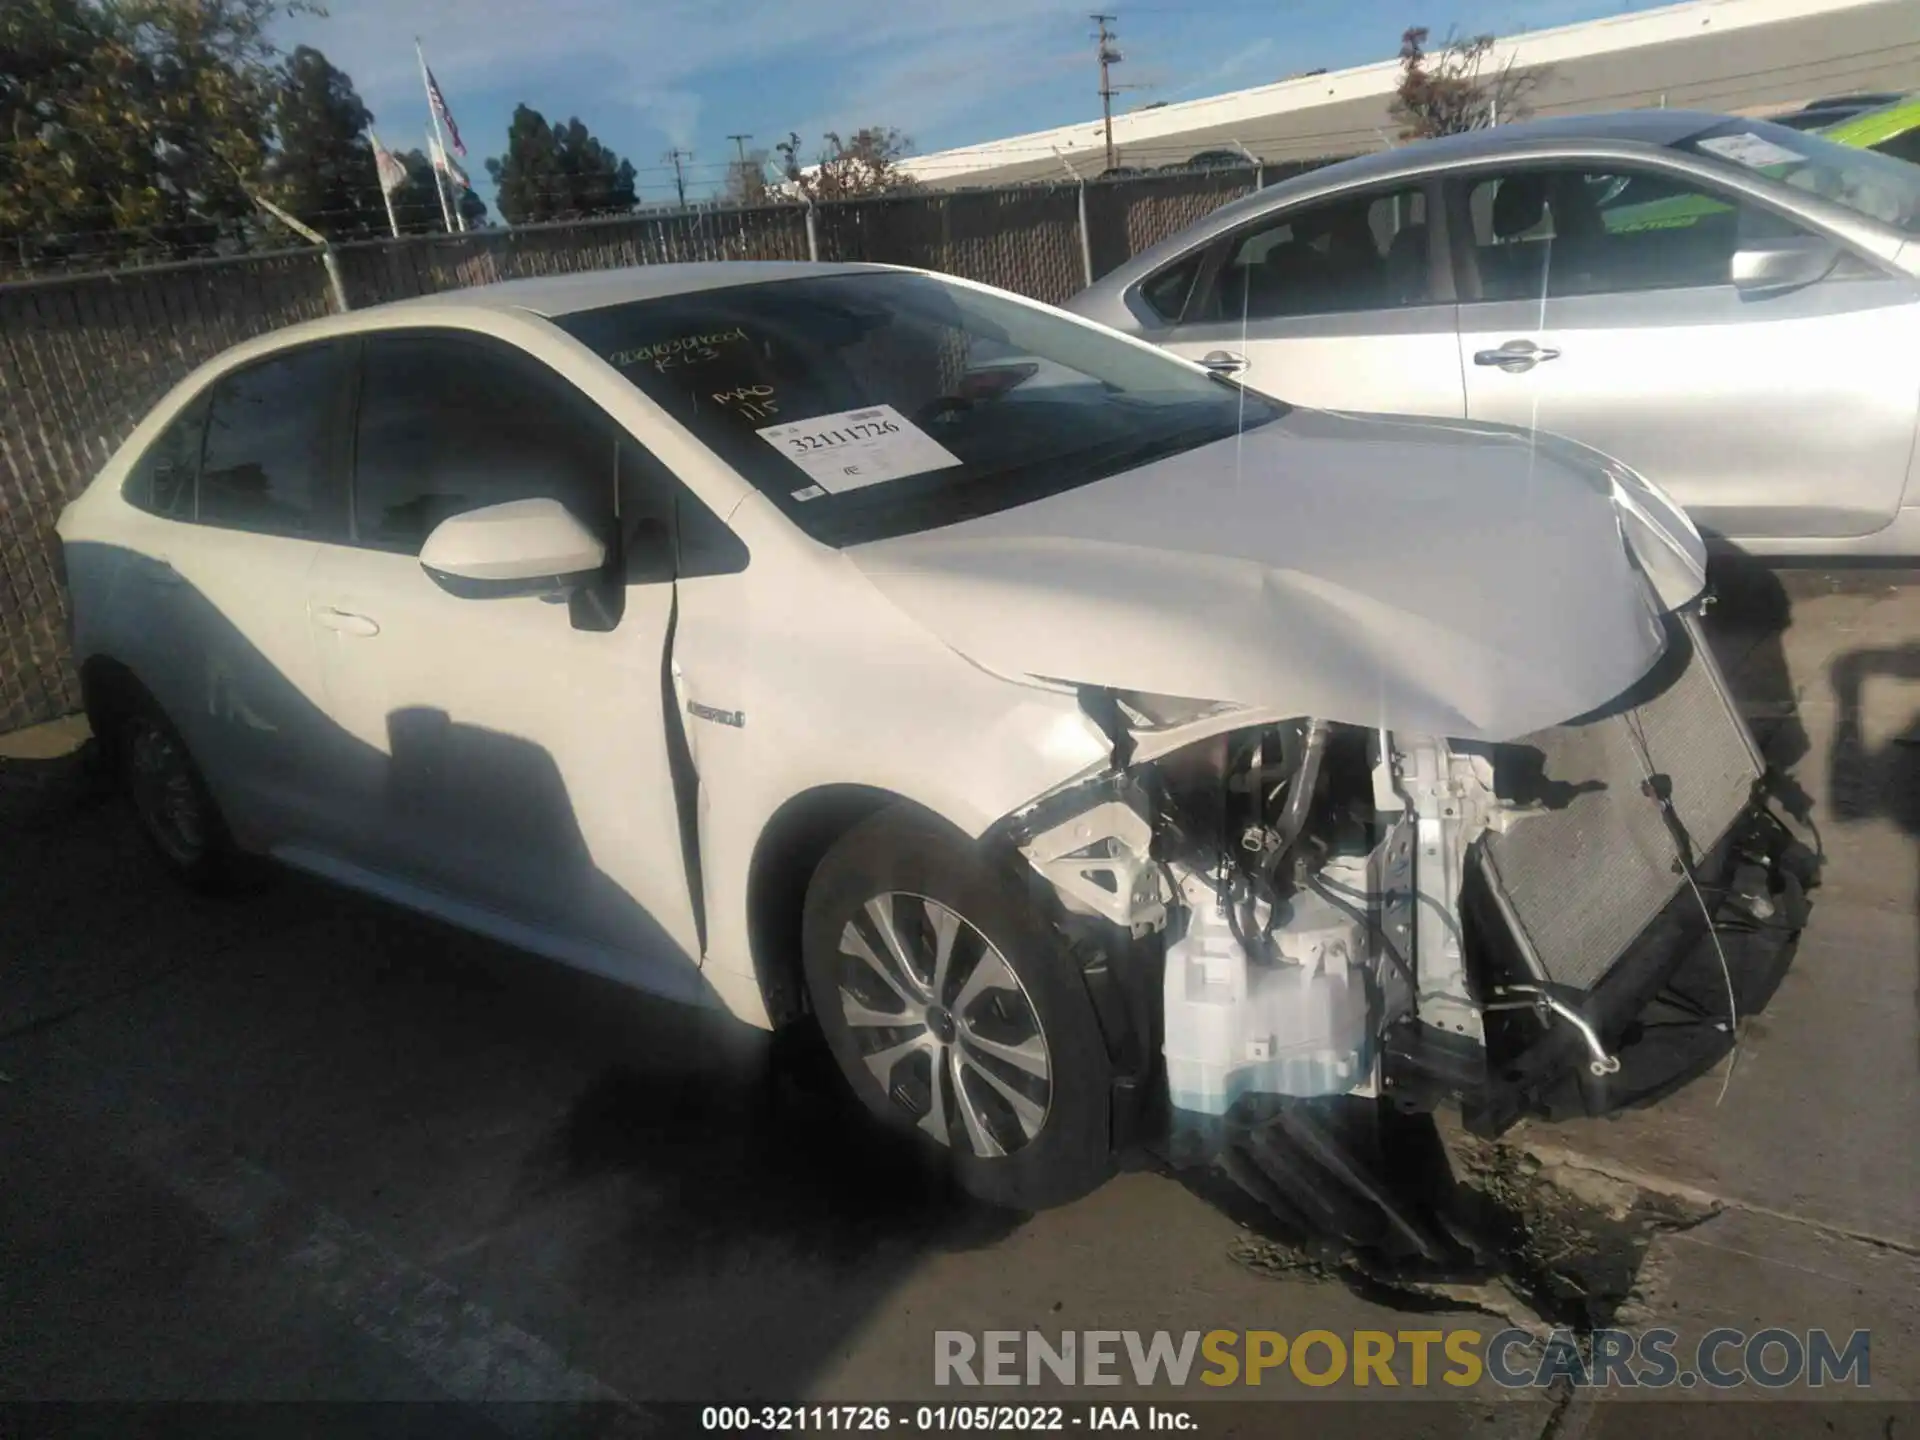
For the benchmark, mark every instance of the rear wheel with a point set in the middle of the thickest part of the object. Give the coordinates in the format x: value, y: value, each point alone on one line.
x: 954, y: 1010
x: 170, y: 797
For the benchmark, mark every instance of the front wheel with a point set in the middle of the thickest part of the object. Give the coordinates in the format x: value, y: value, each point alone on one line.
x: 955, y: 1011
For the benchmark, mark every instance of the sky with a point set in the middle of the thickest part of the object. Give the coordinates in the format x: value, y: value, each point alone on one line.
x: 646, y: 76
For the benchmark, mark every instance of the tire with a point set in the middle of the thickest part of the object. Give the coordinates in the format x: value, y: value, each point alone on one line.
x: 1021, y: 1107
x: 171, y: 802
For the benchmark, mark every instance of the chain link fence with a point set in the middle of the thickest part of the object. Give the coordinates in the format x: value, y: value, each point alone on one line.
x: 82, y: 358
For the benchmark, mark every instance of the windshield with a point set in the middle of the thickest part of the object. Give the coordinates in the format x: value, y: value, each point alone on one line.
x: 1878, y: 187
x: 872, y: 405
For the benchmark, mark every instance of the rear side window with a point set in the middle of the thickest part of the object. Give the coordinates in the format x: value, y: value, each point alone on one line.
x: 1354, y: 253
x: 161, y: 481
x: 270, y: 462
x: 449, y: 424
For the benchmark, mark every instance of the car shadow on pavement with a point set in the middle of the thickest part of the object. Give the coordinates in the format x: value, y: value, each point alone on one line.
x: 639, y: 1181
x: 1870, y: 780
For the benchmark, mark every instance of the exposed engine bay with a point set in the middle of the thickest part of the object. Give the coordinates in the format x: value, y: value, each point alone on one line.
x: 1298, y: 909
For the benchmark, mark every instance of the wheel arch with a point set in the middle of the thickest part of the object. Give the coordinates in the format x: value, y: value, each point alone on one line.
x: 106, y: 687
x: 788, y: 852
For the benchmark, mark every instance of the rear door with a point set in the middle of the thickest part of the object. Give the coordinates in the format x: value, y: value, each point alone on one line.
x: 1598, y: 302
x: 240, y: 508
x: 1338, y: 304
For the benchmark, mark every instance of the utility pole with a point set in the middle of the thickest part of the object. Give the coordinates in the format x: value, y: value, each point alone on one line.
x: 1108, y: 57
x: 673, y: 158
x: 739, y: 188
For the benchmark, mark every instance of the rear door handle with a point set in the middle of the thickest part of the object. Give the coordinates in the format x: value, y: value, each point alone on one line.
x: 345, y: 621
x: 1516, y: 356
x: 1224, y: 362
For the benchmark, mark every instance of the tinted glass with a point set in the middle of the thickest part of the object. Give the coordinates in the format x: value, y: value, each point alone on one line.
x: 448, y: 424
x: 1877, y: 187
x: 271, y: 442
x: 1366, y: 252
x: 1166, y: 293
x: 1563, y: 232
x: 880, y: 404
x: 1905, y: 147
x: 161, y: 482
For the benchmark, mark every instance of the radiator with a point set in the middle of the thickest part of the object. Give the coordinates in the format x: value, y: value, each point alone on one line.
x: 1582, y: 879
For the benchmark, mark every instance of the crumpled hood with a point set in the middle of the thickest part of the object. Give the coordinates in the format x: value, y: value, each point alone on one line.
x: 1444, y: 577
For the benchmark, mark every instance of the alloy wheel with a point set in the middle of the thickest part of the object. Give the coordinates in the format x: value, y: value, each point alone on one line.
x: 165, y: 792
x: 944, y: 1024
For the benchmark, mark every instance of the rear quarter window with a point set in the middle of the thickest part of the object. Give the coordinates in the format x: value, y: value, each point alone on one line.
x: 162, y: 479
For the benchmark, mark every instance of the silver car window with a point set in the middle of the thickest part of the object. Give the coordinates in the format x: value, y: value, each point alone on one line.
x: 1555, y: 231
x: 1356, y: 252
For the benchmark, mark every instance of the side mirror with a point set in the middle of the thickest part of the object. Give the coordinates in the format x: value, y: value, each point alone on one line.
x: 1774, y: 267
x: 524, y: 547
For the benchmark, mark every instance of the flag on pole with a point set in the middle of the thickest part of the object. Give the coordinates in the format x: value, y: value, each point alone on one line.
x: 444, y: 163
x: 392, y: 173
x: 444, y: 115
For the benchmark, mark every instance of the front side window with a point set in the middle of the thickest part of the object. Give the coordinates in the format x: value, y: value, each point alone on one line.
x: 162, y: 480
x: 269, y: 462
x: 872, y: 405
x: 1876, y: 187
x: 1563, y: 231
x: 449, y: 423
x: 1361, y: 252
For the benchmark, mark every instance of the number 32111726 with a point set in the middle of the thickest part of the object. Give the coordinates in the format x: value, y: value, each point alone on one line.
x: 846, y: 435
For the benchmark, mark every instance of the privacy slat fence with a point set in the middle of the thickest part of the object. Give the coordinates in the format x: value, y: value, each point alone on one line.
x: 82, y: 357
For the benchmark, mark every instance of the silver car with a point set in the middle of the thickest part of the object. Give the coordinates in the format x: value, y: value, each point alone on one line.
x: 1728, y: 306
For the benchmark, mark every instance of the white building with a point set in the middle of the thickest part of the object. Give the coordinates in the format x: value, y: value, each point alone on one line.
x: 1748, y: 56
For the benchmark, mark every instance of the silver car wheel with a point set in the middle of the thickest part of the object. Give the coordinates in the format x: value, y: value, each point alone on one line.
x: 165, y: 793
x: 944, y: 1024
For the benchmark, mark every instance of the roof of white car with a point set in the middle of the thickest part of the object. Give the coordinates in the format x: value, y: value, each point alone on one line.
x: 551, y: 295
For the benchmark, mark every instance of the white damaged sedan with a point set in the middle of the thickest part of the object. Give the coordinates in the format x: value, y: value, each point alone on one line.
x: 1112, y: 759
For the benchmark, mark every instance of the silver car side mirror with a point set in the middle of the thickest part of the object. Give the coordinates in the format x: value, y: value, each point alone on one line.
x: 1774, y: 267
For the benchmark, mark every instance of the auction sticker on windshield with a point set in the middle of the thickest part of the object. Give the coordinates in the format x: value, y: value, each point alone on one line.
x: 853, y: 448
x: 1753, y: 151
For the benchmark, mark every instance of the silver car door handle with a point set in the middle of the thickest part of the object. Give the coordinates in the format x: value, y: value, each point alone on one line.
x: 346, y: 622
x: 1224, y: 362
x: 1515, y: 356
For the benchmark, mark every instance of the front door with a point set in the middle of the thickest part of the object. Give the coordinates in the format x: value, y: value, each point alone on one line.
x: 1607, y: 313
x: 1337, y: 305
x: 513, y: 751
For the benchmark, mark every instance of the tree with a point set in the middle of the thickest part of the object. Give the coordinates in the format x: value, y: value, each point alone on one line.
x: 323, y: 170
x: 558, y: 173
x: 747, y: 179
x: 1446, y: 93
x: 133, y: 128
x: 866, y: 164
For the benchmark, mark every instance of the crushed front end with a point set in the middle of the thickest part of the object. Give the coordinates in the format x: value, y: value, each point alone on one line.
x: 1291, y: 920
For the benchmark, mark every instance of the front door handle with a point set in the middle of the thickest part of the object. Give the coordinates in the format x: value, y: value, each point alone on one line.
x: 345, y: 621
x: 1224, y: 362
x: 1516, y: 357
